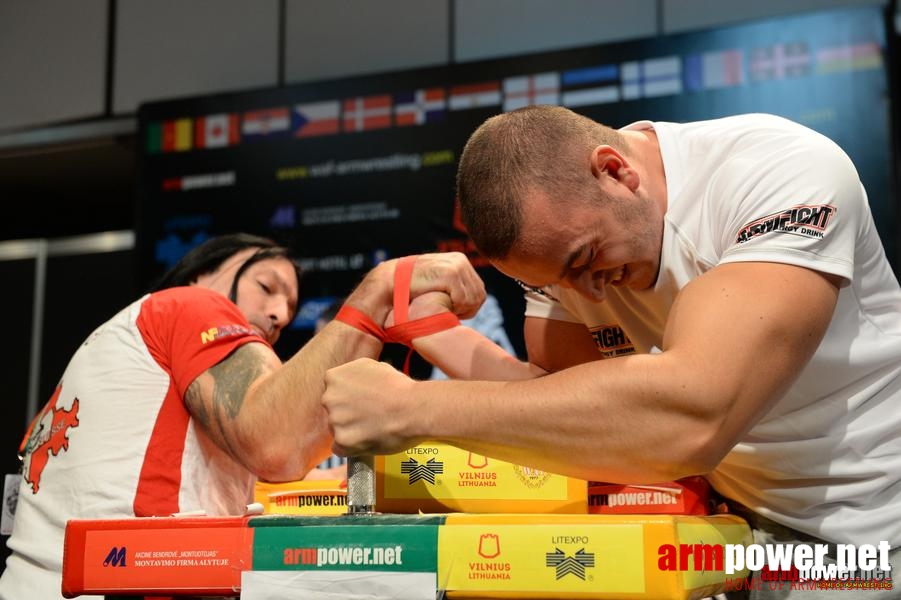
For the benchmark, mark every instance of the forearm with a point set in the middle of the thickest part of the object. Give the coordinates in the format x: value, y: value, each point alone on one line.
x: 604, y: 421
x: 287, y: 430
x: 463, y: 353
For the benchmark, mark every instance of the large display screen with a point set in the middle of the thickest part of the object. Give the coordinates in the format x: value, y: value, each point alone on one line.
x: 353, y: 171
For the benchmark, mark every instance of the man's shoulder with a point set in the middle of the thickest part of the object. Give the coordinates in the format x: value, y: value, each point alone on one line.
x: 188, y: 299
x: 187, y: 294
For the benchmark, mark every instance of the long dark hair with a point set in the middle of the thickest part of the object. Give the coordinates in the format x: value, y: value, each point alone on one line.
x: 209, y: 256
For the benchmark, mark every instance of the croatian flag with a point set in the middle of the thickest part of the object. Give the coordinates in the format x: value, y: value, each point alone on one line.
x: 419, y: 107
x: 216, y: 131
x: 543, y: 88
x: 317, y: 118
x: 268, y: 121
x: 369, y: 112
x: 475, y: 95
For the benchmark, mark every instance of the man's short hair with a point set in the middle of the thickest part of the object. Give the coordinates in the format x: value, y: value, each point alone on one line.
x: 509, y: 155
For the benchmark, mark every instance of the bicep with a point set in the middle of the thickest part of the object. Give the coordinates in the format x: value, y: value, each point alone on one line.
x: 738, y: 337
x: 555, y: 345
x: 216, y: 396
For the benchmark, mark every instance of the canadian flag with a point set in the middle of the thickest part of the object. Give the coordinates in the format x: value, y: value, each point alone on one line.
x: 216, y: 131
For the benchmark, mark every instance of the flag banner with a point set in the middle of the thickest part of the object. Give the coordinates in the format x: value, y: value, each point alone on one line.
x: 317, y: 118
x: 257, y: 124
x: 178, y: 135
x: 475, y: 95
x: 216, y: 131
x: 713, y: 70
x: 420, y: 107
x: 543, y: 88
x: 855, y: 57
x: 590, y: 85
x: 367, y: 112
x: 651, y: 78
x: 779, y: 61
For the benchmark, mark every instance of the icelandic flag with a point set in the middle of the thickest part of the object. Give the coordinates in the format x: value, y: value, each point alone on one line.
x: 422, y: 106
x: 317, y: 118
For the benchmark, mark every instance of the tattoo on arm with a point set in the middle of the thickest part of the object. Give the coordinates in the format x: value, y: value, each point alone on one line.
x: 231, y: 378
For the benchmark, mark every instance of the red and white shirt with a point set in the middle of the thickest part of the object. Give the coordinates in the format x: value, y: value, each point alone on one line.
x: 116, y: 440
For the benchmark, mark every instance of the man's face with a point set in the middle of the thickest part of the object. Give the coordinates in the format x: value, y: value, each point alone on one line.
x: 266, y: 294
x: 613, y: 237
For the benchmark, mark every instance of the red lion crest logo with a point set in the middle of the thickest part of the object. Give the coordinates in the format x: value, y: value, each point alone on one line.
x: 49, y: 437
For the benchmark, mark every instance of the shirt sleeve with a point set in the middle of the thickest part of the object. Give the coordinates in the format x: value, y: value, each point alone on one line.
x: 803, y: 207
x: 541, y: 304
x: 189, y: 329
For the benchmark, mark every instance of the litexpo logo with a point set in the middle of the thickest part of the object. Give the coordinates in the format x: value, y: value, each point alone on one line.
x: 809, y: 561
x: 421, y: 471
x: 574, y: 565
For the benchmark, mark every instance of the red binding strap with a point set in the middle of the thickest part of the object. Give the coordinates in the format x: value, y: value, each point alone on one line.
x: 405, y: 331
x: 403, y: 275
x: 361, y: 321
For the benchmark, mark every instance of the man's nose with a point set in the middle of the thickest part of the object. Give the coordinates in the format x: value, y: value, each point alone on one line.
x: 279, y: 314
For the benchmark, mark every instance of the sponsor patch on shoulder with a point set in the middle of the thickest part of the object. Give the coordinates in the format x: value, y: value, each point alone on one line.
x: 809, y: 220
x: 214, y: 333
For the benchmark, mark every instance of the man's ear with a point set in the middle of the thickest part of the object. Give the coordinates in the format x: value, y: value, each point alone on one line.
x: 607, y: 161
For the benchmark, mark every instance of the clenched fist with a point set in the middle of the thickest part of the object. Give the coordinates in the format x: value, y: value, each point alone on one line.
x: 368, y: 408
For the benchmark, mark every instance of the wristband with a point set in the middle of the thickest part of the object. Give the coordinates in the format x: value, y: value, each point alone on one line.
x: 360, y: 321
